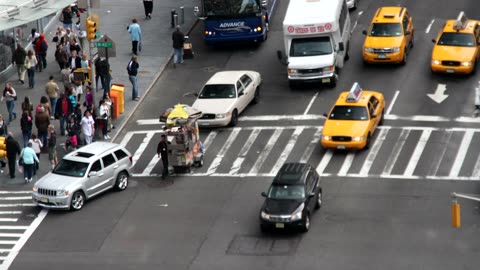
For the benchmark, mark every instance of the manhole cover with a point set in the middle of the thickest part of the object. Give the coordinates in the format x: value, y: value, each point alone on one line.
x: 250, y: 245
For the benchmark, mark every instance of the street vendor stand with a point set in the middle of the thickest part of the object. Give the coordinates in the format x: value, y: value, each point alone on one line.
x: 184, y: 146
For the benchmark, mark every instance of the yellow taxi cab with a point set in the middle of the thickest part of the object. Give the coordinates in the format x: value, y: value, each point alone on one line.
x: 353, y: 119
x: 390, y: 36
x: 456, y: 48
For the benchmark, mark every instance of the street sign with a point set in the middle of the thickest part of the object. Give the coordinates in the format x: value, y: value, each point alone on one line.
x: 104, y: 51
x: 98, y: 35
x: 104, y: 44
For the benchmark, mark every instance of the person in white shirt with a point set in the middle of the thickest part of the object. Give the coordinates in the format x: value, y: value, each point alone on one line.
x: 88, y: 127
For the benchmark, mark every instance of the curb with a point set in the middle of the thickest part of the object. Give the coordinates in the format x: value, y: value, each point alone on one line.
x: 157, y: 76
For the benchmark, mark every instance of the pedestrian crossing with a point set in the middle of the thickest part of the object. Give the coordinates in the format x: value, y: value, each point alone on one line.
x: 19, y: 218
x: 409, y: 152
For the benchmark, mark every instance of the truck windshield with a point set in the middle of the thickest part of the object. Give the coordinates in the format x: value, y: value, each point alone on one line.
x: 386, y: 30
x: 349, y: 113
x: 310, y: 46
x: 231, y: 8
x: 457, y: 39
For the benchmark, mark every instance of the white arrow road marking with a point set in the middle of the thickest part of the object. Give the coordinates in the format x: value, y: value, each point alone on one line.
x: 429, y: 26
x: 439, y: 95
x: 462, y: 152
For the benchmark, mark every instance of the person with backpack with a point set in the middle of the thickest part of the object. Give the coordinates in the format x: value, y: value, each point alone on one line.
x: 41, y: 48
x: 26, y: 124
x: 62, y: 112
x: 42, y: 121
x: 10, y: 96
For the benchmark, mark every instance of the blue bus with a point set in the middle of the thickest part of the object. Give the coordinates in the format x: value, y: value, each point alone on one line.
x: 228, y: 21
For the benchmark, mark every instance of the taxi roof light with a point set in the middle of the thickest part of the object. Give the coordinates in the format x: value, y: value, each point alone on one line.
x: 389, y: 16
x: 461, y: 22
x: 355, y: 93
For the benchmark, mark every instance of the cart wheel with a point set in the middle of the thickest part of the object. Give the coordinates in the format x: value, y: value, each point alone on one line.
x: 200, y: 162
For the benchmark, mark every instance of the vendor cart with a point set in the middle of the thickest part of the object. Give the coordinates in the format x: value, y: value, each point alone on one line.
x: 184, y: 146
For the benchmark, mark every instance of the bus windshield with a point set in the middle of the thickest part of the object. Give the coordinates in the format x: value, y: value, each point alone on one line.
x: 231, y: 8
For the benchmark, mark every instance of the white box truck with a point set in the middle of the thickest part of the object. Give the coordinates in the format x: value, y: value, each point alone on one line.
x: 316, y: 34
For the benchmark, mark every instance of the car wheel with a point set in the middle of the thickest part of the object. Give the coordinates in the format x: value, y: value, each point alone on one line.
x: 78, y: 200
x: 263, y: 228
x: 411, y: 41
x: 404, y: 60
x: 292, y: 84
x: 256, y: 97
x: 234, y: 120
x: 333, y: 81
x: 367, y: 145
x: 380, y: 123
x: 347, y: 53
x: 122, y: 181
x: 200, y: 162
x: 318, y: 203
x: 306, y: 223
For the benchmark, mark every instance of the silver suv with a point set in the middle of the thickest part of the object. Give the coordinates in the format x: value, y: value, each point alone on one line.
x: 83, y: 174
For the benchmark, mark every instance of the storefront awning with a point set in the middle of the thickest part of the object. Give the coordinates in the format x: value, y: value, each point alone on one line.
x: 14, y: 13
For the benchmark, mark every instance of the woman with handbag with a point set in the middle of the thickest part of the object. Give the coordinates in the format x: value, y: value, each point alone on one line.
x: 28, y: 158
x: 10, y: 96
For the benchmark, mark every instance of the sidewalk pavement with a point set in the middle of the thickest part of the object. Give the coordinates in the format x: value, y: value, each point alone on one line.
x: 115, y: 16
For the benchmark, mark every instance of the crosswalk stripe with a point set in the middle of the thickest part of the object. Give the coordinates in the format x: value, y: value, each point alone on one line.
x: 13, y: 227
x: 16, y: 204
x: 462, y: 152
x: 15, y: 198
x: 153, y: 162
x: 10, y: 212
x: 373, y: 151
x: 218, y: 159
x: 126, y: 139
x: 396, y: 152
x: 7, y: 242
x: 324, y: 162
x: 417, y: 153
x: 315, y: 141
x: 437, y: 159
x: 266, y: 151
x: 347, y: 163
x: 208, y: 141
x: 16, y: 192
x: 237, y: 164
x: 142, y: 147
x: 10, y: 235
x: 287, y: 150
x: 8, y: 219
x: 476, y: 168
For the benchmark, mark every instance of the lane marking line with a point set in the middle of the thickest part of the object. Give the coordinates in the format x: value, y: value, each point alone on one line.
x: 373, y: 151
x: 11, y: 235
x: 8, y: 219
x: 462, y: 152
x: 142, y: 147
x: 266, y: 151
x: 347, y: 163
x: 237, y: 164
x: 208, y: 141
x: 29, y: 231
x: 429, y: 26
x: 417, y: 153
x: 151, y: 165
x: 389, y: 110
x: 219, y: 157
x: 313, y: 143
x: 10, y: 212
x: 310, y: 104
x: 287, y: 150
x: 324, y: 162
x: 439, y: 157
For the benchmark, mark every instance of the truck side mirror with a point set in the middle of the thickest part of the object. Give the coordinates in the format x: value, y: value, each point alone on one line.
x: 364, y: 32
x: 341, y: 47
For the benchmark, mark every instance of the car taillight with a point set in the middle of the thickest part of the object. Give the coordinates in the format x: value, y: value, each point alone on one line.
x: 131, y: 159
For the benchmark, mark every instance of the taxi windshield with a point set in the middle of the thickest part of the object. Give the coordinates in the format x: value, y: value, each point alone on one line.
x: 386, y: 30
x: 457, y: 39
x: 218, y: 91
x: 310, y: 46
x: 349, y: 113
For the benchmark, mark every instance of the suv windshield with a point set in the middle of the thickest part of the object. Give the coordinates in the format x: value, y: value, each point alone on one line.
x: 286, y: 192
x: 349, y: 113
x: 71, y: 168
x: 310, y: 46
x: 386, y: 30
x: 218, y: 91
x: 457, y: 39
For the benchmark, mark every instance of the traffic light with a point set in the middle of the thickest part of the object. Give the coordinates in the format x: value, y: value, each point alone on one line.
x: 455, y: 215
x: 91, y: 29
x: 3, y: 147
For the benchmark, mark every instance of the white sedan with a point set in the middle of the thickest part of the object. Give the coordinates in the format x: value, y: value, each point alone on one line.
x: 225, y: 95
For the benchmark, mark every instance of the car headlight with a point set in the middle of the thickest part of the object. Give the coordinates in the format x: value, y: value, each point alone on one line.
x: 326, y: 138
x: 329, y: 68
x: 358, y: 138
x: 436, y: 62
x: 467, y: 64
x: 265, y: 215
x: 62, y: 192
x: 292, y: 71
x: 220, y: 115
x: 395, y: 49
x: 368, y: 49
x: 35, y: 188
x: 297, y: 214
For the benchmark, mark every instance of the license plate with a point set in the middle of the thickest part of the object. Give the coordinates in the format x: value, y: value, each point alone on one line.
x: 43, y: 199
x: 341, y: 146
x: 326, y: 80
x: 450, y: 71
x: 382, y: 56
x: 205, y: 123
x: 279, y: 225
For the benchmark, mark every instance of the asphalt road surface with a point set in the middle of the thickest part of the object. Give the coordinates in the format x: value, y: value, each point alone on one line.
x: 384, y: 208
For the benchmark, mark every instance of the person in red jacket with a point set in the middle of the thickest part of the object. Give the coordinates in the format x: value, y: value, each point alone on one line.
x: 41, y: 48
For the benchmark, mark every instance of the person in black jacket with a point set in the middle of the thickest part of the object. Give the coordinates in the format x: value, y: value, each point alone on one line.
x: 13, y: 149
x: 162, y: 151
x: 18, y: 58
x: 26, y: 125
x: 132, y: 69
x: 74, y: 61
x: 67, y: 17
x: 178, y: 39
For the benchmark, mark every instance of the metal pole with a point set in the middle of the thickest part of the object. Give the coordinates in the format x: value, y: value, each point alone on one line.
x: 182, y: 15
x: 465, y: 196
x: 175, y: 19
x: 90, y: 52
x: 172, y: 17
